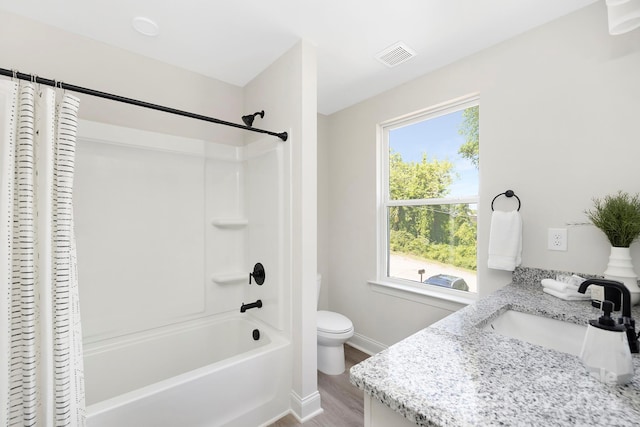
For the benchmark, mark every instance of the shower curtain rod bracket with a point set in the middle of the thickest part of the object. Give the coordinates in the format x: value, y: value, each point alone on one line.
x: 73, y: 88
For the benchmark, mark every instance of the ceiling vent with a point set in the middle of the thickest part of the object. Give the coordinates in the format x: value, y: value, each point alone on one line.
x: 396, y: 54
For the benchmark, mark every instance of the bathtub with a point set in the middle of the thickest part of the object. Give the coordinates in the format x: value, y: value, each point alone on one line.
x: 209, y: 372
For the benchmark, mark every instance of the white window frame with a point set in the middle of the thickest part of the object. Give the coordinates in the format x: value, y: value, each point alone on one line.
x: 401, y: 287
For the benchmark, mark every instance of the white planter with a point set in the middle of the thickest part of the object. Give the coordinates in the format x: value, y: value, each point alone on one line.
x: 620, y: 268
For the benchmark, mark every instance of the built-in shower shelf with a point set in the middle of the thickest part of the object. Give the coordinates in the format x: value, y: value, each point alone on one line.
x: 230, y: 222
x: 231, y: 277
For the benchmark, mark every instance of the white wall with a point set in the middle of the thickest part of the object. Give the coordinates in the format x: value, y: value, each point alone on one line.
x: 287, y: 92
x: 34, y: 48
x: 558, y: 125
x: 324, y: 238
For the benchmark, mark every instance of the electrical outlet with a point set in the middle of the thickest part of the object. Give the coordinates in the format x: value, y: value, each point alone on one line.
x: 557, y: 240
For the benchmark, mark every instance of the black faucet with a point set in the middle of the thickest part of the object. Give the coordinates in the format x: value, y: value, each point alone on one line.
x: 245, y: 307
x: 626, y: 320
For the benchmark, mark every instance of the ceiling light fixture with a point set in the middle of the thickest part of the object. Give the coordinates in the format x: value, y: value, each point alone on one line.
x: 624, y: 16
x: 145, y: 26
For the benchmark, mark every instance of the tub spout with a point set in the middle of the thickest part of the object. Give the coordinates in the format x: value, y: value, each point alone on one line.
x: 245, y: 307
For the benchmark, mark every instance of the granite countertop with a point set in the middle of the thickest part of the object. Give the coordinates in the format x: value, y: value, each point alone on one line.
x: 453, y: 373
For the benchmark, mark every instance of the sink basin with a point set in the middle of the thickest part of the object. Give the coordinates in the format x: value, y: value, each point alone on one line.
x: 543, y: 331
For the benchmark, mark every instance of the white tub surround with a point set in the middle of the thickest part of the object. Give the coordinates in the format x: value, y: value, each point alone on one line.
x: 184, y: 221
x: 453, y: 373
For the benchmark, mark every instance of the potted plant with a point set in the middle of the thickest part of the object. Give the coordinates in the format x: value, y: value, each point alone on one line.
x: 618, y: 217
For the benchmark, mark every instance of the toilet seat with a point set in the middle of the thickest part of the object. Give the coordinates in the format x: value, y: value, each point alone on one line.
x: 333, y: 323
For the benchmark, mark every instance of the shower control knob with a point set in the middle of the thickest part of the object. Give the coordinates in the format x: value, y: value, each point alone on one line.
x: 258, y: 274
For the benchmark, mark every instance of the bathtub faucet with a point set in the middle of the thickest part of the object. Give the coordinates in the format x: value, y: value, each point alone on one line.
x: 245, y: 307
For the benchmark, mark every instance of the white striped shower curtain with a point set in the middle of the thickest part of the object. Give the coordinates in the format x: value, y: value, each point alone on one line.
x: 41, y: 371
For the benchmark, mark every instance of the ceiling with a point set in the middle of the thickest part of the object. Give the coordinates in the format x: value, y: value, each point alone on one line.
x: 234, y: 40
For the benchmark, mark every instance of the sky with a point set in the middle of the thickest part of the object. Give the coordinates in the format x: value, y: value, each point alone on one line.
x: 439, y: 139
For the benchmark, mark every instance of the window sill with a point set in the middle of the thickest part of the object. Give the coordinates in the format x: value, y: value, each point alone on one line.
x: 441, y: 299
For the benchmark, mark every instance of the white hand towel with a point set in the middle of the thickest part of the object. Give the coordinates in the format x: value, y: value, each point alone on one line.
x: 569, y: 296
x: 505, y: 240
x: 556, y: 285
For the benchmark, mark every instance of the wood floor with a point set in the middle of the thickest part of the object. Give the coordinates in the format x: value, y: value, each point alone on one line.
x: 341, y: 401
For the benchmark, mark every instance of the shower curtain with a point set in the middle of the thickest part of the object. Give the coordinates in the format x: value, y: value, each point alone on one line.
x: 41, y: 377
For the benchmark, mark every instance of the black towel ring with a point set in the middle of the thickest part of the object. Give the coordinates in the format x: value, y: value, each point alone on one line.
x: 508, y: 193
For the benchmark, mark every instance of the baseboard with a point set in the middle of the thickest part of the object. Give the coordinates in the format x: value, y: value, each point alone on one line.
x: 303, y: 409
x: 366, y: 345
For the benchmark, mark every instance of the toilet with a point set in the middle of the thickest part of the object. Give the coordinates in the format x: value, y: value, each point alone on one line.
x: 334, y: 330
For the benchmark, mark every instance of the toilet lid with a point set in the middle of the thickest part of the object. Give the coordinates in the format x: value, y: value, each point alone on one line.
x: 333, y: 323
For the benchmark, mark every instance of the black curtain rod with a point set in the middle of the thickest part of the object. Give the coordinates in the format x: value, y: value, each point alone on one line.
x: 99, y: 94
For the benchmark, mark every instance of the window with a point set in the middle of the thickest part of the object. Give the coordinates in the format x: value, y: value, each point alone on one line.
x: 429, y: 198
